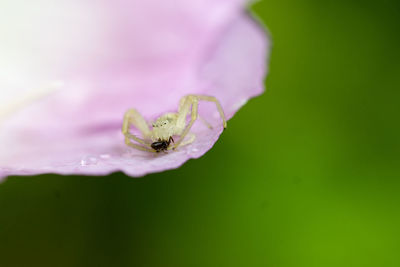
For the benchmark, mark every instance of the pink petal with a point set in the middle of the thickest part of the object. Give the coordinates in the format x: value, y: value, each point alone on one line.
x: 77, y: 129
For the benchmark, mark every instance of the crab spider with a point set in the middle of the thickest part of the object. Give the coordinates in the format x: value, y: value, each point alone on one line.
x: 160, y: 137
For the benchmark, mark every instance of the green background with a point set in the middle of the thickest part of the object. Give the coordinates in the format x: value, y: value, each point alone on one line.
x: 306, y: 175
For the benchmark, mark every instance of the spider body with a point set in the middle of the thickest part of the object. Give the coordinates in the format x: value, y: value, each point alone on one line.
x: 165, y: 127
x: 160, y: 136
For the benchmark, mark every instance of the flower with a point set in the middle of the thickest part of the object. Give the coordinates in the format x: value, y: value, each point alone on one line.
x: 69, y: 71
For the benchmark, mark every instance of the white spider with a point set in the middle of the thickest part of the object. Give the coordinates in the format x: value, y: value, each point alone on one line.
x: 166, y: 126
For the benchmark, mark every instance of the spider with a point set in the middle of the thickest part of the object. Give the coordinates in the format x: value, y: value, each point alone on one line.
x: 160, y: 137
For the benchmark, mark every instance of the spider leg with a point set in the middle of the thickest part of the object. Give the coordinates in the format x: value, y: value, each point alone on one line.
x: 184, y: 108
x: 182, y: 105
x: 129, y: 143
x: 190, y: 137
x: 213, y: 99
x: 133, y: 117
x: 183, y: 111
x: 206, y: 123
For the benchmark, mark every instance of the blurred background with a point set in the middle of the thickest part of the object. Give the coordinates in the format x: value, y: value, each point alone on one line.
x: 306, y: 174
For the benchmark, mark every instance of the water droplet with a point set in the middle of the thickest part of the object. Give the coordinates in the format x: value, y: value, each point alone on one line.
x: 89, y: 160
x: 105, y: 156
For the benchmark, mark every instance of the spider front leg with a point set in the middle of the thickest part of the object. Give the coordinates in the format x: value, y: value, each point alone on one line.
x: 219, y: 107
x: 133, y: 117
x: 184, y: 107
x: 186, y: 103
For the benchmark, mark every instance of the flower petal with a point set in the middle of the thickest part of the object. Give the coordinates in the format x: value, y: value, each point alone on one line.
x: 105, y: 44
x: 78, y: 132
